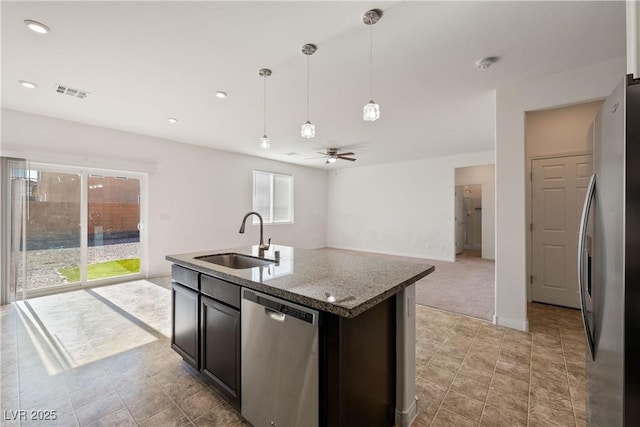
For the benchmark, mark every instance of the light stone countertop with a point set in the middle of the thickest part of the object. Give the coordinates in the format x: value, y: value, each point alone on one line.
x: 356, y: 282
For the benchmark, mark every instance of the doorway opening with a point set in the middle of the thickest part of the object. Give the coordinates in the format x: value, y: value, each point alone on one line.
x: 558, y: 151
x: 474, y: 213
x: 469, y: 220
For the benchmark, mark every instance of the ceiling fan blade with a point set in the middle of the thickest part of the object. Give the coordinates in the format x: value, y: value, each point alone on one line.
x: 347, y: 158
x: 346, y: 154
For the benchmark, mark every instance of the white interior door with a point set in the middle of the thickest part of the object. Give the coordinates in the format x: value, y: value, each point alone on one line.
x: 557, y: 195
x: 460, y: 219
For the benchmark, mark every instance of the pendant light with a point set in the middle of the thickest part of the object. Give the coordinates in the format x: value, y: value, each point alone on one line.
x: 308, y: 130
x: 371, y: 110
x: 265, y: 142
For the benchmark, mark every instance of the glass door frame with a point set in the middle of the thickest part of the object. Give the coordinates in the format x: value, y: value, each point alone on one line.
x: 84, y: 173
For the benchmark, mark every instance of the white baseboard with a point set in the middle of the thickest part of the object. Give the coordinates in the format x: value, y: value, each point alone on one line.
x: 511, y: 323
x: 406, y: 418
x: 401, y: 254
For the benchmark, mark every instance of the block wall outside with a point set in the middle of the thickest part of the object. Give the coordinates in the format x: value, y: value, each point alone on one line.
x: 57, y: 224
x: 54, y: 210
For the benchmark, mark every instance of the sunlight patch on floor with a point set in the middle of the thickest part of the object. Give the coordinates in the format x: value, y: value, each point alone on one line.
x: 71, y: 329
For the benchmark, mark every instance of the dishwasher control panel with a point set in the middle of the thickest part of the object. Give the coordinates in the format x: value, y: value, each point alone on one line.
x: 286, y: 308
x: 290, y: 311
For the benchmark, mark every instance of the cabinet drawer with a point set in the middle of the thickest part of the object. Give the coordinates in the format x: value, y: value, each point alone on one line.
x: 185, y: 276
x: 218, y: 289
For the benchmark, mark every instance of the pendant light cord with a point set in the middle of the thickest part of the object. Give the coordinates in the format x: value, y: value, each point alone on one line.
x: 265, y: 105
x: 308, y: 86
x: 370, y: 59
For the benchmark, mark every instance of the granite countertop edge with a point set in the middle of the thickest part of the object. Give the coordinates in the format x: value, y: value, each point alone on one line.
x: 187, y: 260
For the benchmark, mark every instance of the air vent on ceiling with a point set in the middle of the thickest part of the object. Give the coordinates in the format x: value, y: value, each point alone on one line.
x: 66, y: 90
x: 291, y: 153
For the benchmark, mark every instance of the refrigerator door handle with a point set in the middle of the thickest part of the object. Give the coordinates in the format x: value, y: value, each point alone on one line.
x: 582, y: 235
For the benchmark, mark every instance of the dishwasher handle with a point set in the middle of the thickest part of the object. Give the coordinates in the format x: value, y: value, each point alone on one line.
x: 278, y: 309
x: 274, y: 315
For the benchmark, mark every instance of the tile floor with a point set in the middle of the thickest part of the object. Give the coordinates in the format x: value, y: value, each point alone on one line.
x: 472, y: 373
x: 101, y: 357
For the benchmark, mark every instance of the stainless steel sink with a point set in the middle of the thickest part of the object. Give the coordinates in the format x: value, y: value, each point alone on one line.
x: 233, y: 260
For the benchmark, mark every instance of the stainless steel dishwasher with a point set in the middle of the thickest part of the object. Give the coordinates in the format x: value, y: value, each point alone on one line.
x: 279, y: 362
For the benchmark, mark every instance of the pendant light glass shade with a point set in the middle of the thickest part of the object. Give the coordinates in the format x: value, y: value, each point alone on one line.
x: 307, y: 130
x: 265, y: 141
x: 371, y: 110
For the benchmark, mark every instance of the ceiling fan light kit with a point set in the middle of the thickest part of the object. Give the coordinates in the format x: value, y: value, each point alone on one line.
x: 371, y: 110
x: 332, y: 155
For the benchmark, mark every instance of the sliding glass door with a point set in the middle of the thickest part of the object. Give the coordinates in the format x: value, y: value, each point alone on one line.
x: 113, y: 228
x: 52, y: 229
x: 81, y: 227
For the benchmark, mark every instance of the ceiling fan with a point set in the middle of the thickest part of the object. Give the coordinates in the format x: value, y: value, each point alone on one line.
x: 333, y: 154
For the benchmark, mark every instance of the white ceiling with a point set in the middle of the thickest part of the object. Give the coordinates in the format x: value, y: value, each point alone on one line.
x: 144, y: 62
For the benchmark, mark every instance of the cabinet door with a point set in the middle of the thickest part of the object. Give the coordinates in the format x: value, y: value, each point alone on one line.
x: 184, y: 334
x: 221, y: 346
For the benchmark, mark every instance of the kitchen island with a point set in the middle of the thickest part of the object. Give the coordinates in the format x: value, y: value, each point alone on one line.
x: 366, y: 324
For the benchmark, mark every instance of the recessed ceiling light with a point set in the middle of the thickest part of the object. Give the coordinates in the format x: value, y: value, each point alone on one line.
x: 172, y: 120
x: 27, y: 84
x: 36, y: 26
x: 221, y: 94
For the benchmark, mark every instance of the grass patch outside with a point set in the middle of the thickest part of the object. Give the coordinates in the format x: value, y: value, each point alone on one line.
x: 102, y: 270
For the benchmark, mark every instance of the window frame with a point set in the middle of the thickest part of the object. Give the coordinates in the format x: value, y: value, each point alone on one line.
x: 83, y: 173
x: 272, y: 192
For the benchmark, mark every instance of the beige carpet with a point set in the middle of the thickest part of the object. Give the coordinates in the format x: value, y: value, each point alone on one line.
x: 464, y: 287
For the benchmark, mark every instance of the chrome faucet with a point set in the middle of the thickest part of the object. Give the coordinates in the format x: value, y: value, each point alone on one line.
x: 261, y: 247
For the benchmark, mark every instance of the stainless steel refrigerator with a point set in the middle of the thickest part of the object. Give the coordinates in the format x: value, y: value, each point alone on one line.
x: 609, y: 262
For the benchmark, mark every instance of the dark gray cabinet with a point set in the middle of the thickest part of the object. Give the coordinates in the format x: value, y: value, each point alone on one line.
x: 206, y: 327
x: 185, y: 329
x: 220, y: 335
x: 359, y: 368
x: 220, y: 346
